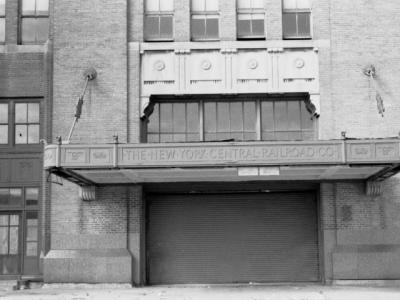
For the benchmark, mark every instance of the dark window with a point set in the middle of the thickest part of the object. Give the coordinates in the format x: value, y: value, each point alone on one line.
x: 268, y: 120
x: 205, y: 20
x: 158, y: 20
x: 34, y: 21
x: 2, y: 21
x: 250, y: 19
x: 296, y: 19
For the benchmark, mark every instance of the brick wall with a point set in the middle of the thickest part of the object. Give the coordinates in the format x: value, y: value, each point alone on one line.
x: 97, y: 38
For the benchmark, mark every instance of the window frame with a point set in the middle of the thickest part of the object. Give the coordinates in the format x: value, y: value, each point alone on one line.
x: 204, y: 14
x: 6, y: 124
x: 259, y: 100
x: 33, y: 147
x: 160, y: 13
x: 22, y: 16
x: 250, y: 11
x: 297, y: 11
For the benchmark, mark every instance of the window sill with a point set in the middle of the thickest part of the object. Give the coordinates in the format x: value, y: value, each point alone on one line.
x: 152, y: 40
x: 205, y: 40
x: 297, y: 38
x: 251, y: 37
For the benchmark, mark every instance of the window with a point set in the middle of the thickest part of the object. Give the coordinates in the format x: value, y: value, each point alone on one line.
x: 158, y: 19
x: 250, y: 19
x: 11, y: 197
x: 296, y: 19
x: 3, y: 123
x: 205, y: 19
x: 34, y: 21
x: 238, y: 119
x: 27, y: 123
x: 2, y: 21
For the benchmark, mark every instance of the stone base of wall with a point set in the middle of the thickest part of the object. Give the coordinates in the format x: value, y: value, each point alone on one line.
x: 88, y: 266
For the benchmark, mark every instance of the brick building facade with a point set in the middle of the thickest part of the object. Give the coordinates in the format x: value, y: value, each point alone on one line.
x: 250, y: 147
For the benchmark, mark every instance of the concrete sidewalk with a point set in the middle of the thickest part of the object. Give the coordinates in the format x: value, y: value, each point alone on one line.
x: 214, y: 292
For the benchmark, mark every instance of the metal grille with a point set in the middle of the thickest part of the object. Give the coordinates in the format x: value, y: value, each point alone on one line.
x: 232, y: 238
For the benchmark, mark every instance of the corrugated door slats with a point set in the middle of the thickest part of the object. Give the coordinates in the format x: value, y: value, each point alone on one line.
x: 232, y: 238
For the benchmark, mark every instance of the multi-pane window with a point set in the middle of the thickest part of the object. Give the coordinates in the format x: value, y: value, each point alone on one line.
x: 296, y: 19
x: 174, y: 122
x: 158, y: 20
x: 3, y: 123
x: 2, y: 21
x: 250, y: 19
x: 27, y: 123
x: 9, y: 243
x: 34, y: 21
x: 242, y: 120
x: 205, y: 19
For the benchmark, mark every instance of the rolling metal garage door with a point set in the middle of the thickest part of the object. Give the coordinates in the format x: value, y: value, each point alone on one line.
x: 232, y: 238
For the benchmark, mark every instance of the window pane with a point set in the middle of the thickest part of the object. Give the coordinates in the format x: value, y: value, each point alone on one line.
x: 3, y: 113
x: 31, y: 234
x: 15, y: 197
x: 306, y: 120
x: 212, y: 5
x: 153, y: 125
x: 193, y: 118
x: 303, y: 20
x: 198, y: 27
x: 289, y: 4
x: 236, y: 116
x: 13, y: 240
x: 250, y: 116
x: 42, y: 33
x: 179, y: 121
x: 42, y: 7
x: 33, y: 113
x: 3, y: 134
x: 257, y: 4
x: 289, y: 25
x: 223, y: 122
x: 243, y: 4
x: 243, y: 25
x: 166, y: 26
x: 4, y: 199
x: 33, y: 134
x: 210, y: 117
x: 258, y: 27
x: 28, y: 30
x: 21, y: 134
x: 303, y: 4
x: 2, y: 29
x: 152, y: 5
x: 198, y: 5
x: 2, y: 7
x: 14, y: 220
x: 166, y: 5
x: 212, y: 28
x: 31, y: 196
x: 294, y: 122
x: 151, y: 26
x: 21, y: 112
x: 3, y: 240
x: 166, y: 117
x: 31, y: 249
x: 280, y: 115
x: 28, y: 7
